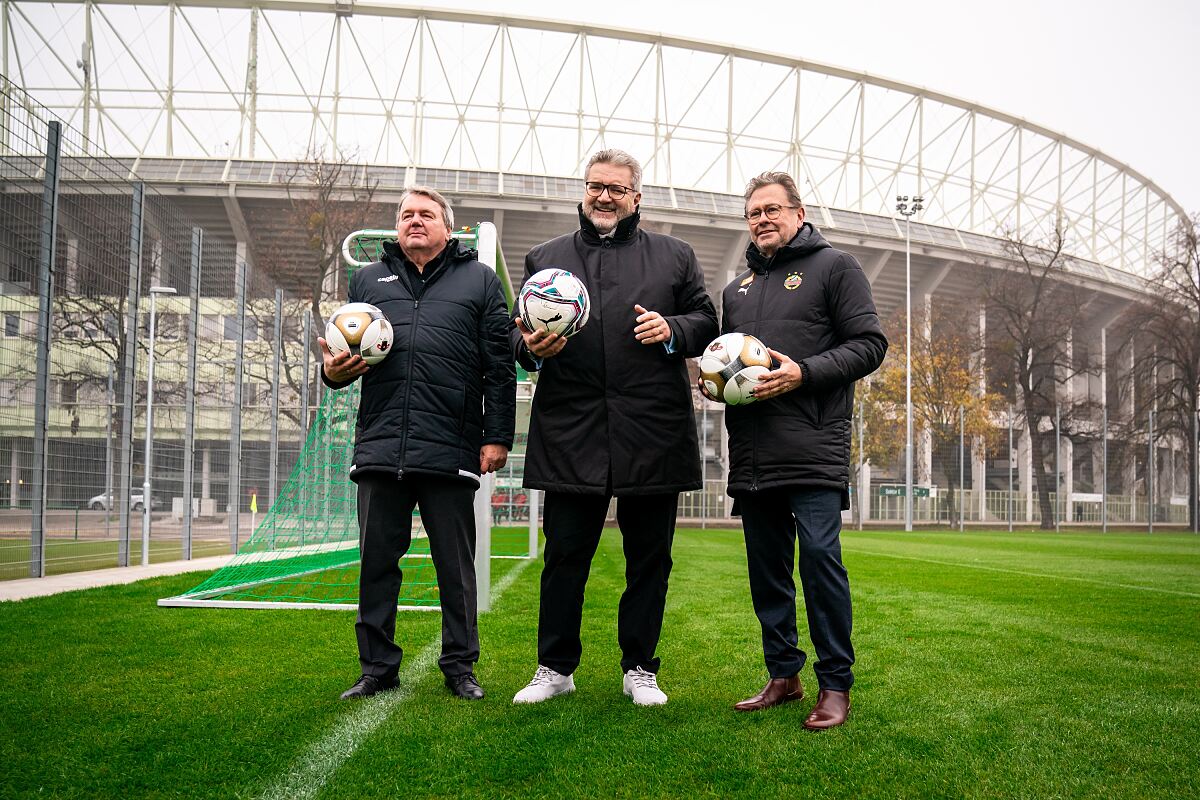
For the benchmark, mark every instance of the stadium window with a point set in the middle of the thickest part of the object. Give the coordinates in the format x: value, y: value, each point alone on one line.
x: 210, y: 326
x: 12, y: 324
x: 68, y: 392
x: 231, y: 328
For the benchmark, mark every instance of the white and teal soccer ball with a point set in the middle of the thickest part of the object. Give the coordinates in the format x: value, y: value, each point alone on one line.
x: 732, y: 365
x: 554, y: 300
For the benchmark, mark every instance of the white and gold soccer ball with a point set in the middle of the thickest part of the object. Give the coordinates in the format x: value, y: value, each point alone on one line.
x: 732, y: 365
x: 362, y: 329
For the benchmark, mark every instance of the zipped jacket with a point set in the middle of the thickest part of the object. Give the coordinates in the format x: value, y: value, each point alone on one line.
x: 813, y: 304
x: 449, y: 385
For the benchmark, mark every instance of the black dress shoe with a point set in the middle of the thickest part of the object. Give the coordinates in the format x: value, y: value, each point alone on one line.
x: 465, y: 686
x: 369, y: 685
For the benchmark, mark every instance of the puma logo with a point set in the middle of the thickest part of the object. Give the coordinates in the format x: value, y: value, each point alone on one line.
x: 555, y: 318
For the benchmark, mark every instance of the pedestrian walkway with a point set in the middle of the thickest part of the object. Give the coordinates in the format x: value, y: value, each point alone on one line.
x: 74, y: 581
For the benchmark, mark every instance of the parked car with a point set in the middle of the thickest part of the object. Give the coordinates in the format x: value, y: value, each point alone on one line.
x: 104, y: 502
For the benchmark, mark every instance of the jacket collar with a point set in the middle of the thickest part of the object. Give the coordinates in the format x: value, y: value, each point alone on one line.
x: 453, y: 253
x: 626, y: 229
x: 807, y: 241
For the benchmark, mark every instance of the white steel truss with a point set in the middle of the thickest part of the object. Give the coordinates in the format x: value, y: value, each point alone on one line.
x: 277, y: 79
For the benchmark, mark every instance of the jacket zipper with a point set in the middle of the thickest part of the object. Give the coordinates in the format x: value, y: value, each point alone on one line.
x: 754, y: 420
x: 412, y: 338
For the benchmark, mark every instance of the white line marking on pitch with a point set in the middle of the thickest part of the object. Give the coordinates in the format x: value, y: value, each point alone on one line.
x: 311, y: 771
x: 1023, y: 572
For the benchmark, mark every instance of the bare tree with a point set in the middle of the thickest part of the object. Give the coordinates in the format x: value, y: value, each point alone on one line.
x: 1035, y: 306
x: 1165, y: 328
x: 328, y: 198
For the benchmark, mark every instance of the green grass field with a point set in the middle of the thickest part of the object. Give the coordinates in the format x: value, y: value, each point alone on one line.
x: 1024, y: 665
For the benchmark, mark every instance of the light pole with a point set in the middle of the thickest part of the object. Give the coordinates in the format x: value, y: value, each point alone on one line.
x: 146, y: 499
x: 907, y: 207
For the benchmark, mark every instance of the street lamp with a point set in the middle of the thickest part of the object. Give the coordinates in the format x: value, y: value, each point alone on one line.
x: 907, y: 207
x: 155, y: 291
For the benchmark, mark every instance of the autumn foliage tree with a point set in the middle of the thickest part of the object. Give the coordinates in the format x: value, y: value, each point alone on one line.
x: 946, y: 349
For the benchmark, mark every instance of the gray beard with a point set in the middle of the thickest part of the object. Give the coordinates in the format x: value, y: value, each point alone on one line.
x: 602, y: 228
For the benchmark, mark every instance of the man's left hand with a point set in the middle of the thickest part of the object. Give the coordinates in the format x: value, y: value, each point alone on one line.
x: 784, y: 379
x: 651, y: 327
x: 492, y: 457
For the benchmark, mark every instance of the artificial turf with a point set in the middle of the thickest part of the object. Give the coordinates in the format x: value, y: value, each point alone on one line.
x: 989, y: 665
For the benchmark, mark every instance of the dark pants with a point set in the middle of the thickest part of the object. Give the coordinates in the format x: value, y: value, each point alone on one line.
x: 774, y: 520
x: 385, y: 507
x: 573, y: 524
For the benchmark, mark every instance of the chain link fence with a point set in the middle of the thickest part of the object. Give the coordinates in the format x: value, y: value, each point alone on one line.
x: 145, y: 367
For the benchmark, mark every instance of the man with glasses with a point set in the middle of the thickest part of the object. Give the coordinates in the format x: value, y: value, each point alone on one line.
x: 789, y: 452
x: 612, y: 417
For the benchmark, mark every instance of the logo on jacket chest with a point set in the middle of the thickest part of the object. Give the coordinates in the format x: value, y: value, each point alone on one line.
x: 793, y: 281
x: 744, y: 288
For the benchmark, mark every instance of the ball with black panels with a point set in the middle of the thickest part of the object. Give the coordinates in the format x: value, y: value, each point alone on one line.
x: 554, y: 300
x: 732, y: 365
x: 362, y: 329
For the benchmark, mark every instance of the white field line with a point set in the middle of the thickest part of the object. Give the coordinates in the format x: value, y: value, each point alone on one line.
x: 309, y: 773
x: 1052, y: 576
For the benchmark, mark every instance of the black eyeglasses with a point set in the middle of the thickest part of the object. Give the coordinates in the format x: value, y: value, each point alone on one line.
x: 615, y: 190
x: 771, y: 212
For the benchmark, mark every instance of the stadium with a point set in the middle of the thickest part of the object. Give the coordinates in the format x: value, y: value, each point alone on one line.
x: 194, y: 144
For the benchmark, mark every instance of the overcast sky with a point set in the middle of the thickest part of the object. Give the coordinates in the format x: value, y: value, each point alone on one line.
x: 1121, y: 77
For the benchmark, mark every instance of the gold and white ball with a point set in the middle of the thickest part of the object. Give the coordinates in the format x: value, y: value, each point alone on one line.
x: 362, y: 329
x: 732, y: 365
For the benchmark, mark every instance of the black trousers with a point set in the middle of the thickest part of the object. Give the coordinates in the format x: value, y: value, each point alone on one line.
x: 773, y: 521
x: 573, y: 524
x: 385, y: 507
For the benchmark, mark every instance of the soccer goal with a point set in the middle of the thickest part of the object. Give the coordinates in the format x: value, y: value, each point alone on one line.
x: 304, y: 553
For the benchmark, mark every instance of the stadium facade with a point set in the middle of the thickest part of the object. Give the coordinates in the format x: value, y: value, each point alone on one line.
x: 212, y: 104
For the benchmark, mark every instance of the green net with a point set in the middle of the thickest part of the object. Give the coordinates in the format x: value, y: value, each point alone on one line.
x: 305, y: 550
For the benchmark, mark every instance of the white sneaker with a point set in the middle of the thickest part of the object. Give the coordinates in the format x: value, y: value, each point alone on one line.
x: 546, y: 683
x: 642, y: 686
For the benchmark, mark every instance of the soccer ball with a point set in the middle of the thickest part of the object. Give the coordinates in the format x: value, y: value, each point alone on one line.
x: 362, y: 329
x: 732, y: 365
x: 556, y: 301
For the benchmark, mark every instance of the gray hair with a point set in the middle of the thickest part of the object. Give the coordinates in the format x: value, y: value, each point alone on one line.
x: 618, y: 158
x: 435, y: 196
x: 777, y: 178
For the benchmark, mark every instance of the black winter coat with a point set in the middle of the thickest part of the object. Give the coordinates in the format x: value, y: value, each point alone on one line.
x: 813, y: 304
x: 449, y: 385
x: 612, y: 415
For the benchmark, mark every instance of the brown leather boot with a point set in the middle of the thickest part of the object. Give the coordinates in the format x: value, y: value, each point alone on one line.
x: 776, y: 692
x: 831, y: 710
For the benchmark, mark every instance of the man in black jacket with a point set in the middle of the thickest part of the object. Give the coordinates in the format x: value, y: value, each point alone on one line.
x: 612, y: 416
x: 789, y: 452
x: 434, y: 415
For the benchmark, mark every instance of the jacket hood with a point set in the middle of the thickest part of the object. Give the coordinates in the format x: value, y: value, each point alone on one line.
x: 626, y: 228
x: 453, y: 252
x: 807, y: 241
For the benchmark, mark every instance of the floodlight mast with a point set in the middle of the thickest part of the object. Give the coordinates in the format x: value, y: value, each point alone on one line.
x: 907, y: 206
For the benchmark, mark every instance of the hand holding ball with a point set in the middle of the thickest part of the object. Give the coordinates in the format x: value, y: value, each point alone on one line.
x: 732, y: 365
x: 362, y: 329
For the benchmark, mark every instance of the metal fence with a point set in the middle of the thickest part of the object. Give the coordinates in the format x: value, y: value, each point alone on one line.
x: 144, y: 365
x: 1097, y: 475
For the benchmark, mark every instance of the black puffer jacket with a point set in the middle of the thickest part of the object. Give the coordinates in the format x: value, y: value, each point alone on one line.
x: 813, y: 304
x: 449, y: 385
x: 609, y: 412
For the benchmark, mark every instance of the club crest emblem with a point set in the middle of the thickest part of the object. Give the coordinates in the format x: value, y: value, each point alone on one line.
x: 793, y: 281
